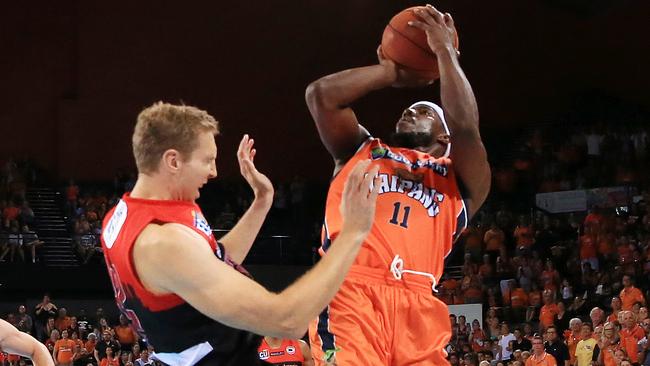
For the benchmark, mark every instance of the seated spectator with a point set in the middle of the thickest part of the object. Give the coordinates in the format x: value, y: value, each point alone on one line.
x: 548, y: 311
x: 631, y: 334
x: 26, y: 216
x: 86, y: 246
x: 494, y: 240
x: 10, y: 213
x: 14, y: 242
x: 31, y: 242
x: 521, y: 343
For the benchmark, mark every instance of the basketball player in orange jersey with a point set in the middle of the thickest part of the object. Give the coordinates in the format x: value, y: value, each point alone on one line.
x: 285, y: 352
x: 183, y: 290
x: 433, y: 178
x: 16, y: 342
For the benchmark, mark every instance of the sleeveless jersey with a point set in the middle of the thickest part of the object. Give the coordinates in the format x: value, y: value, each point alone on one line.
x: 167, y: 322
x: 288, y: 354
x: 419, y: 214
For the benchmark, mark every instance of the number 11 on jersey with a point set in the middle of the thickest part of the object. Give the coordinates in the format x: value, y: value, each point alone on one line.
x: 396, y: 215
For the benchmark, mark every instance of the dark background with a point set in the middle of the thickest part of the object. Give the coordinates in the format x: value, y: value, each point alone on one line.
x: 75, y: 74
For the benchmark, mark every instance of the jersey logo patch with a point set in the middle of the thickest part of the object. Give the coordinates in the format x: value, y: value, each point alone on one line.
x: 114, y: 225
x: 201, y: 223
x: 381, y: 152
x: 264, y: 355
x: 291, y: 350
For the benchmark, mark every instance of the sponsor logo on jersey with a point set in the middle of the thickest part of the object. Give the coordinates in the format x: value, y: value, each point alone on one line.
x: 114, y: 225
x: 291, y: 350
x: 381, y: 152
x: 201, y: 223
x: 264, y: 355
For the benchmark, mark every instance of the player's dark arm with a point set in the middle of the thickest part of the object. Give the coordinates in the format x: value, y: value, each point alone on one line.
x: 329, y: 99
x: 461, y: 112
x: 16, y: 342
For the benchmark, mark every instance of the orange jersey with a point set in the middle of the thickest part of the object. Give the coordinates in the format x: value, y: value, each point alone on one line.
x: 420, y: 211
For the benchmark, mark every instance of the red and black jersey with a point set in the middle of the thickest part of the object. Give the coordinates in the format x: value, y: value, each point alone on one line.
x: 287, y: 354
x: 179, y: 333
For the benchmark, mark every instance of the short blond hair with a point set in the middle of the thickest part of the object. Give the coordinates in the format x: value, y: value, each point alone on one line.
x: 165, y: 126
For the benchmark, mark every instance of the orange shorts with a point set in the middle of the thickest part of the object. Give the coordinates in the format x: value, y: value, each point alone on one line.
x: 377, y: 320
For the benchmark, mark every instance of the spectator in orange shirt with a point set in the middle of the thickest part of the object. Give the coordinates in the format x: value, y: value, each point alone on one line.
x: 91, y: 343
x: 630, y: 294
x: 588, y: 249
x: 550, y: 277
x: 63, y: 350
x: 125, y: 334
x: 572, y: 337
x: 518, y: 300
x: 539, y: 356
x: 616, y: 307
x: 63, y: 321
x: 549, y: 310
x: 630, y: 335
x: 494, y: 240
x: 110, y: 359
x: 524, y: 236
x: 477, y: 337
x: 535, y: 296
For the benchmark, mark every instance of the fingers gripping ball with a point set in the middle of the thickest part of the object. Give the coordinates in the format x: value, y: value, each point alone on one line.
x: 408, y: 47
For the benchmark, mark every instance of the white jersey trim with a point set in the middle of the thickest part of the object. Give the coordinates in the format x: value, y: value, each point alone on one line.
x: 187, y: 357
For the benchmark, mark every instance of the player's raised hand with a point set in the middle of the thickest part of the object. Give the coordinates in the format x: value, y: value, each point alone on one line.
x: 261, y: 185
x: 439, y: 28
x: 359, y: 198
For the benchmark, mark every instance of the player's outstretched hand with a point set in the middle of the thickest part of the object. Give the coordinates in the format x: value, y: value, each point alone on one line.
x: 359, y: 198
x: 261, y: 185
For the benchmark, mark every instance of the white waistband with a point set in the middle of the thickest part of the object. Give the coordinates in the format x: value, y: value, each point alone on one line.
x: 397, y: 268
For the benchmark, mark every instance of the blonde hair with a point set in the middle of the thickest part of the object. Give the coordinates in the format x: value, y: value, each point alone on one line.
x: 165, y: 126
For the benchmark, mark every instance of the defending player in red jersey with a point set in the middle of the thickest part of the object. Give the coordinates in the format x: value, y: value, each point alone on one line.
x: 385, y: 312
x: 183, y: 290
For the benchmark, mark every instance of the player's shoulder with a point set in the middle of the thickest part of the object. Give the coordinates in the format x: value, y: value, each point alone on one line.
x: 165, y: 238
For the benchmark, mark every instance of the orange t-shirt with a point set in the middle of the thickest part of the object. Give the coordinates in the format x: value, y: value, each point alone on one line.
x: 110, y: 362
x: 10, y: 213
x: 90, y: 346
x: 587, y: 247
x: 547, y: 314
x: 572, y: 342
x: 518, y: 298
x: 608, y: 355
x: 64, y: 348
x: 630, y: 296
x: 62, y: 324
x: 545, y: 360
x: 125, y: 334
x: 629, y: 340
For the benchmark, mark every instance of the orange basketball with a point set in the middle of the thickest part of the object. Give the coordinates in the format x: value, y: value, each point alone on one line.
x: 408, y: 47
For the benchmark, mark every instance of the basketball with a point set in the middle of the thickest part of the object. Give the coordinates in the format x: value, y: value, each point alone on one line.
x: 407, y: 45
